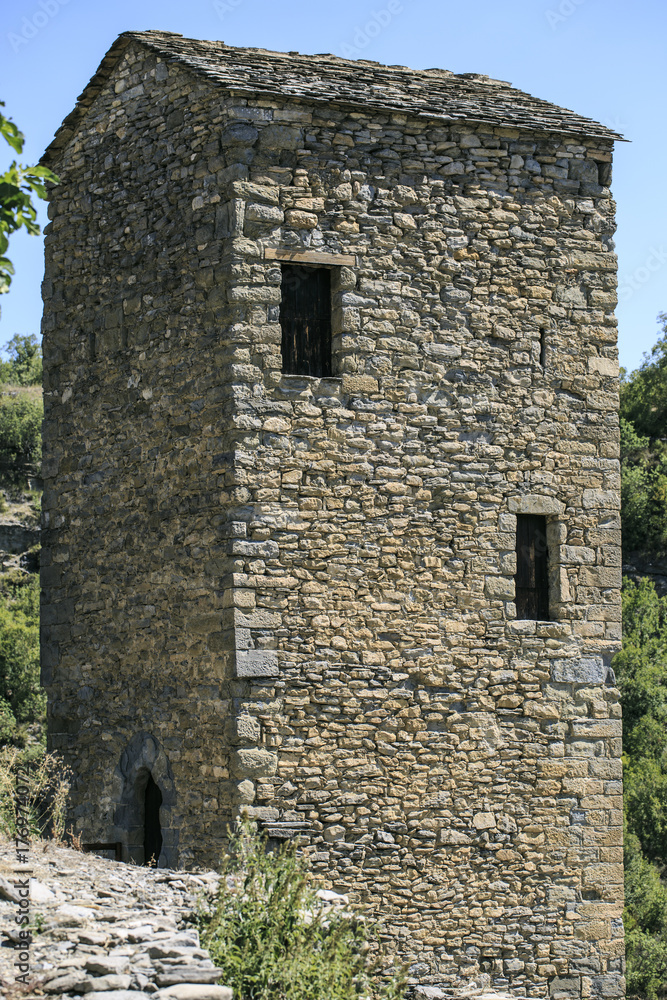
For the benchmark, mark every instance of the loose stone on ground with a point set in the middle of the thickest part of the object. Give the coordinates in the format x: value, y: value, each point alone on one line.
x: 103, y: 929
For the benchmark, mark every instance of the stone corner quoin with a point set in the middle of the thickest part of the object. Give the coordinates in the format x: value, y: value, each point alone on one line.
x: 300, y: 596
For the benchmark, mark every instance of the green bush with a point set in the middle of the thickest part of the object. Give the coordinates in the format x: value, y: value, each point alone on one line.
x: 644, y: 391
x: 20, y: 429
x: 272, y: 938
x: 22, y: 700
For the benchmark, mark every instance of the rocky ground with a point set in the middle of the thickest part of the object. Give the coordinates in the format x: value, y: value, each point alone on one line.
x: 104, y: 929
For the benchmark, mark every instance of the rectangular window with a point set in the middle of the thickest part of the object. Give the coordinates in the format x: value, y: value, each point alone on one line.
x: 305, y: 320
x: 532, y: 567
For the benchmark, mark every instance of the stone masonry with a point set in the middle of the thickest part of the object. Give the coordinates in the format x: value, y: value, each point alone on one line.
x: 292, y: 595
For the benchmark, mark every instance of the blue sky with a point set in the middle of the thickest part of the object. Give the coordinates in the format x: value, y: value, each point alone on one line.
x: 601, y: 58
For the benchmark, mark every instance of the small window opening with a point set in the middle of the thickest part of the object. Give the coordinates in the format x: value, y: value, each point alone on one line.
x: 532, y: 567
x: 305, y: 320
x: 543, y: 348
x: 152, y: 828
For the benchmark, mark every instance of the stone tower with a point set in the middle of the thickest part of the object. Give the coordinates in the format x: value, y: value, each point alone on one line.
x: 331, y: 507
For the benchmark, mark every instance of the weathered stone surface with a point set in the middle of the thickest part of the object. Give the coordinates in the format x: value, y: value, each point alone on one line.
x: 335, y: 558
x: 117, y: 995
x: 102, y: 984
x: 72, y: 982
x: 167, y: 949
x: 256, y: 663
x: 255, y: 762
x: 187, y: 974
x: 9, y: 891
x: 586, y: 670
x: 191, y: 992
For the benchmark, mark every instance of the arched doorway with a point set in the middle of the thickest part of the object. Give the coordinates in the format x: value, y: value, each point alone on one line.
x: 145, y: 797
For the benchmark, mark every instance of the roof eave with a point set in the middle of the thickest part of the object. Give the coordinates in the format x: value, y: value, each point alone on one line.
x: 68, y: 129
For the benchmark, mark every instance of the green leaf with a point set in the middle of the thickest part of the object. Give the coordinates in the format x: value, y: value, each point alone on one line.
x: 44, y: 172
x: 38, y: 188
x: 10, y: 132
x: 17, y: 186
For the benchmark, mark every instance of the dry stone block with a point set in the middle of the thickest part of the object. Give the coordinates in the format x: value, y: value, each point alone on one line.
x: 103, y: 984
x: 359, y: 384
x: 586, y: 670
x: 255, y: 763
x: 256, y: 663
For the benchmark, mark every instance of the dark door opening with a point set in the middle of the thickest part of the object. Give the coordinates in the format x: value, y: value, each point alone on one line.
x: 152, y: 829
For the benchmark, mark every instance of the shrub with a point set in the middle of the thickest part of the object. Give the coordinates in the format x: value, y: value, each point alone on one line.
x: 647, y: 964
x: 20, y: 429
x: 273, y: 939
x: 22, y: 700
x: 33, y: 793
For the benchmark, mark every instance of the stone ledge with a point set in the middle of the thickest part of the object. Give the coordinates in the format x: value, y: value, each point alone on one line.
x: 311, y: 257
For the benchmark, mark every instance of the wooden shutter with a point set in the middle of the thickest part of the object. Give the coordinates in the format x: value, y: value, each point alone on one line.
x: 532, y: 567
x: 305, y: 320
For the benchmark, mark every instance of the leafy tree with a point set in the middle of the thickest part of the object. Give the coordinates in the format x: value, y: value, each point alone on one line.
x: 643, y: 491
x: 641, y: 664
x: 642, y: 675
x: 17, y: 186
x: 641, y: 667
x: 25, y: 361
x: 644, y: 391
x: 645, y: 797
x: 644, y: 451
x: 645, y: 920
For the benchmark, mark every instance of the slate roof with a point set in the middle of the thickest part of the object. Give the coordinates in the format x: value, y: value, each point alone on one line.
x: 431, y: 94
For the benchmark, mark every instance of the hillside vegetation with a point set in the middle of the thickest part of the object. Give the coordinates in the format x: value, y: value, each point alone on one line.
x: 641, y: 668
x: 22, y: 701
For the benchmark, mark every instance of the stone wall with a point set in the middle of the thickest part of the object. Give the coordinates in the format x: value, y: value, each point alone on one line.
x: 302, y: 589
